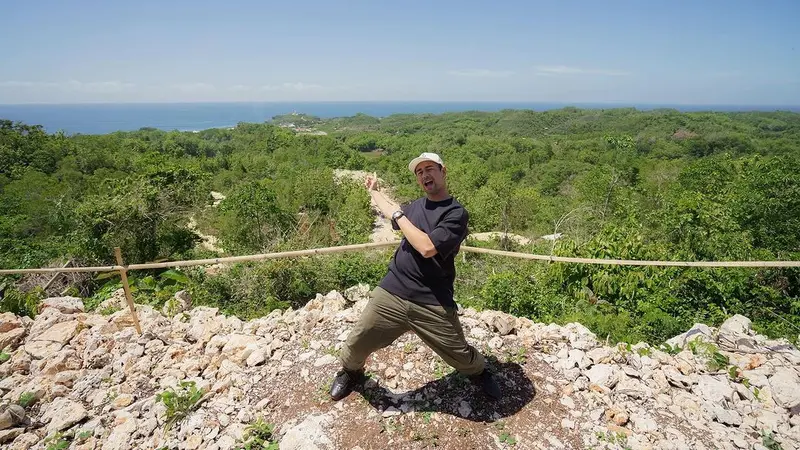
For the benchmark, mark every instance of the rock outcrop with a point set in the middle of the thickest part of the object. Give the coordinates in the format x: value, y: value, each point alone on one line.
x: 92, y: 381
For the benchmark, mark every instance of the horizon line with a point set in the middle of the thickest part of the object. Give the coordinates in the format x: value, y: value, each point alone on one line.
x: 542, y: 102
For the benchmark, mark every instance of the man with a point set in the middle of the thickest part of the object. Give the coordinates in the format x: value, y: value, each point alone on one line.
x: 417, y: 292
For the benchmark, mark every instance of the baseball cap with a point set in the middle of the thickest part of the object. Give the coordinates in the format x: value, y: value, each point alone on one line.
x: 425, y: 157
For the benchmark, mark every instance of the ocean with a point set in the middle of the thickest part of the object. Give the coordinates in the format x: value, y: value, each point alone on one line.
x: 100, y: 118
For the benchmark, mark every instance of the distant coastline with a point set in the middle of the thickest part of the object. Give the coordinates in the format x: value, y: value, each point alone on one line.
x: 100, y: 118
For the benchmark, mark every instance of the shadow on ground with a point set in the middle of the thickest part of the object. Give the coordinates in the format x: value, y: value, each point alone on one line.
x: 447, y: 394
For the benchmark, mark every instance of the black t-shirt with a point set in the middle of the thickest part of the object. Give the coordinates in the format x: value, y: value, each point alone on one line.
x: 429, y: 280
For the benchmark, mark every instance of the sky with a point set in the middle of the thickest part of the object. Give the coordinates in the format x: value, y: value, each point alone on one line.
x: 639, y: 52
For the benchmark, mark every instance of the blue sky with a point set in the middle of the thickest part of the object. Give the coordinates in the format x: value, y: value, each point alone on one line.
x: 638, y: 51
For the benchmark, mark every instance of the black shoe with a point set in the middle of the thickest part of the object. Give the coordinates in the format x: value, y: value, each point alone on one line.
x: 488, y: 384
x: 344, y: 383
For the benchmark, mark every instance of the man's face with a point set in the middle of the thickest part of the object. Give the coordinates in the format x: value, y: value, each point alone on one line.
x: 430, y: 177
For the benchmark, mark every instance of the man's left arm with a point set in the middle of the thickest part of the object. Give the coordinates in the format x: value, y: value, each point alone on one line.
x: 416, y: 237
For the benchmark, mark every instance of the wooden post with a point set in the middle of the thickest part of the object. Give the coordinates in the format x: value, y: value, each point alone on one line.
x: 123, y: 273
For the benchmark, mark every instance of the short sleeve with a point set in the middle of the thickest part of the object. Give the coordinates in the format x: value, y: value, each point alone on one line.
x: 450, y: 231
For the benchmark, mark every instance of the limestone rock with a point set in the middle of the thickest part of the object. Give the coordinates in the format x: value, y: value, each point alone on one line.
x: 715, y: 390
x: 51, y: 340
x: 785, y: 385
x: 66, y: 305
x: 62, y: 414
x: 310, y: 434
x: 603, y: 375
x: 698, y: 331
x: 356, y: 293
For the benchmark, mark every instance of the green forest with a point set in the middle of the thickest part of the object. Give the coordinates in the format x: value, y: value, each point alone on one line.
x: 616, y: 183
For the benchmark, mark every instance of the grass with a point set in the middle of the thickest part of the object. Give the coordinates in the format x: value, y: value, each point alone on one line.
x: 180, y: 402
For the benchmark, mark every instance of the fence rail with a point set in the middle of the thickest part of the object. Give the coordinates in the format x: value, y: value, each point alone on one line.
x: 124, y: 269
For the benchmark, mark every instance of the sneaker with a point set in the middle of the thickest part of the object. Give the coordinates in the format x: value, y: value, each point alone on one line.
x: 344, y: 383
x: 488, y: 384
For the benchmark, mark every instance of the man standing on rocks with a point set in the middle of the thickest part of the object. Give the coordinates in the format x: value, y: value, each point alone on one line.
x: 417, y: 292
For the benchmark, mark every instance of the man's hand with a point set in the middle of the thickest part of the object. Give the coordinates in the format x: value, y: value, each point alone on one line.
x: 372, y: 182
x: 385, y: 206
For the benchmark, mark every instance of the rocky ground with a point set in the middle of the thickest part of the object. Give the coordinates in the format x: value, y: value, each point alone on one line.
x: 89, y: 381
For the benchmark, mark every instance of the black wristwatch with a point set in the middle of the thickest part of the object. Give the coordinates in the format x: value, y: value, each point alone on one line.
x: 397, y: 215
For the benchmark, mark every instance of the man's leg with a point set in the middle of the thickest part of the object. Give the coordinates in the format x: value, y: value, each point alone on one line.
x: 383, y: 321
x: 440, y: 329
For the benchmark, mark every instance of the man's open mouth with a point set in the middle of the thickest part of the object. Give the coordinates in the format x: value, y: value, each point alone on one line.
x: 427, y: 183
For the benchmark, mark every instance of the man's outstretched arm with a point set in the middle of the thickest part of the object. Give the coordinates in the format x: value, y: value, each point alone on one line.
x: 416, y: 237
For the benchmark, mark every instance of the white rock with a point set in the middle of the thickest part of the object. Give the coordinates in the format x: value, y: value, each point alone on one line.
x: 676, y: 378
x: 698, y: 331
x: 715, y: 390
x: 495, y: 343
x: 644, y: 424
x: 52, y: 339
x: 568, y: 402
x: 66, y: 305
x: 62, y: 414
x: 478, y: 333
x: 256, y: 358
x: 600, y: 355
x: 785, y: 385
x: 727, y: 416
x: 603, y: 375
x: 310, y: 434
x: 578, y: 358
x: 568, y: 424
x: 325, y: 360
x: 737, y: 324
x: 391, y: 412
x: 120, y: 437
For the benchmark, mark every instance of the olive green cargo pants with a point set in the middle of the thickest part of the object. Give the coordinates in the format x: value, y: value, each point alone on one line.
x: 388, y: 316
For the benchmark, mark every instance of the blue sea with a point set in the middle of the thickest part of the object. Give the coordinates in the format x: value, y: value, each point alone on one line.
x: 99, y: 118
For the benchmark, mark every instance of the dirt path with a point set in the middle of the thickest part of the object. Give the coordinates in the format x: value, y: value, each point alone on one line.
x: 208, y: 241
x: 382, y: 226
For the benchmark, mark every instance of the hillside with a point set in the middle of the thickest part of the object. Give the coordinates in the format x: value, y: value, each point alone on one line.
x: 612, y: 183
x: 90, y: 382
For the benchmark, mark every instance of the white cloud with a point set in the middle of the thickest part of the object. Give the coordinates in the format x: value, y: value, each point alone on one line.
x: 566, y: 70
x: 194, y: 87
x: 71, y: 85
x: 239, y: 88
x: 481, y: 73
x: 298, y: 86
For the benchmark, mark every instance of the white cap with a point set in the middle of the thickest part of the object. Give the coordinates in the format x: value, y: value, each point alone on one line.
x: 424, y: 157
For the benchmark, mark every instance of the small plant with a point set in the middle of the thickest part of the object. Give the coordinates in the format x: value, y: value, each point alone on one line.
x: 84, y: 435
x: 427, y: 416
x: 58, y: 441
x: 109, y: 310
x: 669, y: 349
x: 768, y: 440
x: 507, y: 438
x: 716, y: 360
x: 179, y: 402
x: 4, y: 357
x: 520, y: 357
x: 26, y: 399
x: 259, y: 436
x: 408, y: 348
x: 332, y: 351
x: 644, y: 351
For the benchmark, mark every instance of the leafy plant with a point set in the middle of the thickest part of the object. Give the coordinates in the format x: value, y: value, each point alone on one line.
x: 179, y: 401
x: 259, y: 436
x: 4, y: 357
x: 26, y: 399
x: 58, y: 441
x: 506, y: 438
x: 768, y: 440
